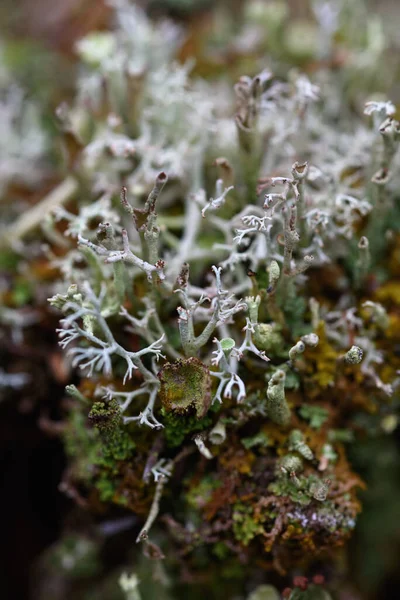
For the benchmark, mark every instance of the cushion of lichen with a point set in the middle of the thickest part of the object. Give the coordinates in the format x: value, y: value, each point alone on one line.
x: 185, y: 387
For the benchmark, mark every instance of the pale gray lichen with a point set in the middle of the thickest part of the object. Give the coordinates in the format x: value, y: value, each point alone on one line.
x: 354, y: 355
x: 297, y: 443
x: 277, y: 407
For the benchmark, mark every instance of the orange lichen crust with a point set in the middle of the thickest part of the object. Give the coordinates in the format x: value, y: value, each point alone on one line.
x: 266, y: 510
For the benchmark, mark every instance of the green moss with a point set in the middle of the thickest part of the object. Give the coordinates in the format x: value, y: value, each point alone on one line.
x: 245, y: 528
x: 96, y: 457
x: 119, y: 448
x: 177, y: 427
x: 106, y: 487
x: 82, y: 444
x: 106, y: 417
x: 113, y: 452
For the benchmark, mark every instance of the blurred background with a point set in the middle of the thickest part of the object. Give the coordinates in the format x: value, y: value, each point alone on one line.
x: 38, y: 57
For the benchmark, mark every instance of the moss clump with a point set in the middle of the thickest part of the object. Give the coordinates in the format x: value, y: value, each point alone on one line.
x: 115, y: 451
x: 106, y: 417
x: 185, y: 387
x: 106, y: 487
x: 177, y: 426
x: 245, y: 528
x: 117, y: 448
x: 82, y: 444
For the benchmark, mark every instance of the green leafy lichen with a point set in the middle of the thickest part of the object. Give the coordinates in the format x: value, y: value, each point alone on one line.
x: 260, y: 439
x: 245, y: 528
x: 314, y: 414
